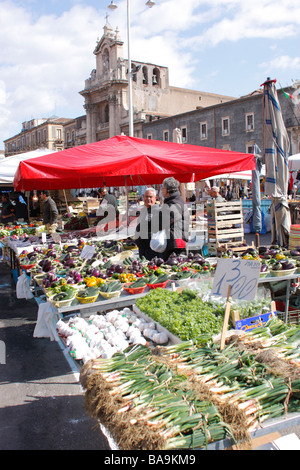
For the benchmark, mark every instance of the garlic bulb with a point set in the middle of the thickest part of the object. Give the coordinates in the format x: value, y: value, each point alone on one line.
x: 160, y: 338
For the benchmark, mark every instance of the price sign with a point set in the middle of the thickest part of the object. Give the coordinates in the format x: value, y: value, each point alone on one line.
x: 87, y: 252
x: 242, y: 275
x: 44, y: 237
x: 56, y: 237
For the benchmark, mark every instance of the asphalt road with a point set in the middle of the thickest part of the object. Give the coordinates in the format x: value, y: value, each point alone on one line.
x: 41, y: 400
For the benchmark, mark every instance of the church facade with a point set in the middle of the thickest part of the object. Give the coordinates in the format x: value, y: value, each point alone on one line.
x: 106, y: 92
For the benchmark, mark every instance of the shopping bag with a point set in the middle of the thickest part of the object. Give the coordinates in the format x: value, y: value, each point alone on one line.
x: 23, y: 287
x: 158, y: 241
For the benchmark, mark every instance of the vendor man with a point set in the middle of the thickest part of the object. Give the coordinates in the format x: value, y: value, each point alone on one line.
x: 144, y: 227
x: 50, y: 212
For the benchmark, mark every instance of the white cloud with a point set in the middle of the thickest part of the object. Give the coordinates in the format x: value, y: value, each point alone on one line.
x: 283, y: 62
x: 45, y: 59
x: 44, y: 63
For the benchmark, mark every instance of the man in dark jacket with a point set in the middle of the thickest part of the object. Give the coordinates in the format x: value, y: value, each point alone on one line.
x: 50, y: 212
x: 108, y: 208
x: 143, y: 230
x: 174, y: 218
x: 109, y: 198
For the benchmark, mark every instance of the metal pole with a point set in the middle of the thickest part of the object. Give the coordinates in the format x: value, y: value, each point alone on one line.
x: 129, y: 73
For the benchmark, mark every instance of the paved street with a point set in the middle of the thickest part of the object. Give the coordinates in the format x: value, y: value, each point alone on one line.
x: 41, y: 401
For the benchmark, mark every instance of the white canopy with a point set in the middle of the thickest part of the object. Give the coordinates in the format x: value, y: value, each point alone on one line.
x: 240, y: 175
x: 9, y: 165
x: 294, y: 162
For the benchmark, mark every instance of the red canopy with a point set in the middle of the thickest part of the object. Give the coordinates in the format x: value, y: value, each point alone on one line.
x: 130, y: 161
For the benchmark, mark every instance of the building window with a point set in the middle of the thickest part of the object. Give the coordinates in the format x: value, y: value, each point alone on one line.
x: 166, y: 136
x: 149, y: 136
x: 184, y: 134
x: 225, y: 126
x: 106, y: 113
x: 249, y: 122
x: 58, y: 134
x: 203, y: 130
x: 250, y: 147
x: 105, y: 59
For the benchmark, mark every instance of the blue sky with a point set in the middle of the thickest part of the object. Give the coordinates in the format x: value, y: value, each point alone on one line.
x: 219, y: 46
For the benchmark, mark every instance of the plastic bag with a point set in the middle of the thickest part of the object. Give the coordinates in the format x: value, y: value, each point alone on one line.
x: 158, y: 241
x: 23, y: 287
x: 44, y: 326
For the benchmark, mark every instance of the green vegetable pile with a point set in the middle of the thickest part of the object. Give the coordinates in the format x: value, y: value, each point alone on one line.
x: 183, y: 314
x: 186, y: 396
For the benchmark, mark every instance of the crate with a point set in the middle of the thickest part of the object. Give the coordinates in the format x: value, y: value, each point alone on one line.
x: 225, y: 226
x: 293, y: 317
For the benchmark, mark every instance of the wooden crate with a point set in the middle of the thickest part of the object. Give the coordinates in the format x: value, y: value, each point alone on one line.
x: 225, y: 226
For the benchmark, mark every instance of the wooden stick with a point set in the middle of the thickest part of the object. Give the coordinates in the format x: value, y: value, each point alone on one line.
x: 226, y: 319
x: 82, y: 266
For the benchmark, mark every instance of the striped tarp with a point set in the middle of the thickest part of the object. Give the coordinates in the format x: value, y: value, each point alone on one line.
x: 276, y: 153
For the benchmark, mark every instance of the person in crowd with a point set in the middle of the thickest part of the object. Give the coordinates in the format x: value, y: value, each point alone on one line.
x: 143, y: 230
x: 8, y: 211
x: 108, y: 207
x: 228, y: 195
x: 50, y: 211
x: 106, y: 196
x: 174, y: 218
x: 20, y: 208
x: 214, y: 193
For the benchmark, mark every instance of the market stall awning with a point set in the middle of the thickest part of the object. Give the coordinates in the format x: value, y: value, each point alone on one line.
x: 294, y: 162
x: 9, y: 165
x: 123, y: 160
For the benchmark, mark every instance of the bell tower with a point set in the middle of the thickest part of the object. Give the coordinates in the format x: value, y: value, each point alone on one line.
x: 105, y: 87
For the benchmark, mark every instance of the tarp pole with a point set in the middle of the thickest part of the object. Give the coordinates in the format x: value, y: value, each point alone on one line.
x: 66, y: 200
x: 127, y: 203
x: 87, y: 208
x: 28, y: 200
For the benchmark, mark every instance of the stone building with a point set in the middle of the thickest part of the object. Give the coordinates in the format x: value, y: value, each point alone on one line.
x: 37, y: 133
x: 106, y: 92
x: 75, y: 132
x: 235, y: 125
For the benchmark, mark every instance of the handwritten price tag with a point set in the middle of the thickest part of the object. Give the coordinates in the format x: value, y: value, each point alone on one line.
x: 242, y: 275
x: 88, y: 252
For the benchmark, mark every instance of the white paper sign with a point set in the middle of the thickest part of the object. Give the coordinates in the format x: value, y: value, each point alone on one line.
x: 87, y: 252
x: 242, y: 275
x: 56, y: 237
x: 96, y: 263
x: 44, y: 237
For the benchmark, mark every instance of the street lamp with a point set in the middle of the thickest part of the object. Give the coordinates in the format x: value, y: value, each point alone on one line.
x: 112, y: 7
